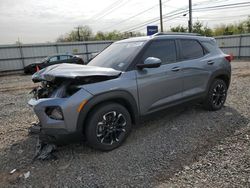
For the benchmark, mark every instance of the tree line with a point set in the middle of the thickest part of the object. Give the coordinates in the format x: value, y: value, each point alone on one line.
x: 85, y: 33
x: 224, y: 29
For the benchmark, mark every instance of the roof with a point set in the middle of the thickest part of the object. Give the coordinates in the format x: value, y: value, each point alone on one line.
x: 60, y: 54
x: 171, y: 35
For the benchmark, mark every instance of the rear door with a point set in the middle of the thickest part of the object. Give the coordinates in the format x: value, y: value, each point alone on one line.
x: 157, y: 87
x: 194, y: 59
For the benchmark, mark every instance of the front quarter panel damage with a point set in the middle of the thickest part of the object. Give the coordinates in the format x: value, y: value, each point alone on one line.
x: 63, y: 87
x: 69, y: 108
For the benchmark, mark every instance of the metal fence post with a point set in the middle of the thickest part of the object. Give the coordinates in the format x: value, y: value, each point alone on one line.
x: 240, y: 42
x: 87, y: 51
x: 57, y: 51
x: 21, y: 54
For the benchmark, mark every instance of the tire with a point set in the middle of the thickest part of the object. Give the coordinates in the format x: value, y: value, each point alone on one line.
x: 108, y: 126
x: 216, y: 96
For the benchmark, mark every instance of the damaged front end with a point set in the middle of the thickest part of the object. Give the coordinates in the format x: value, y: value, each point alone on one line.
x: 58, y: 98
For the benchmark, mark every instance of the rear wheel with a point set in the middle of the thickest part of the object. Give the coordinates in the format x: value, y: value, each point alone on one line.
x: 216, y: 96
x: 108, y: 126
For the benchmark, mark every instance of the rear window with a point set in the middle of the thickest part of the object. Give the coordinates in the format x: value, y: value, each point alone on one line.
x: 64, y: 57
x: 191, y: 49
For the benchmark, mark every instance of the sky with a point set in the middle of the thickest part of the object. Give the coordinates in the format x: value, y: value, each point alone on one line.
x: 37, y: 21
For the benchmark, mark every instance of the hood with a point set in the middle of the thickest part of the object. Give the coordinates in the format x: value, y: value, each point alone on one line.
x: 72, y: 71
x: 33, y: 64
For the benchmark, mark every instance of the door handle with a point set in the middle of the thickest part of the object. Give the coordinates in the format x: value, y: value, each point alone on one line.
x: 175, y: 69
x: 210, y: 62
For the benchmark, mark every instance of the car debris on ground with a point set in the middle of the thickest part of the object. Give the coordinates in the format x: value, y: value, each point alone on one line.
x: 194, y: 148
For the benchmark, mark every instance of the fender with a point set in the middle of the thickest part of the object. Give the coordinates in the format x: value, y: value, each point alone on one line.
x: 218, y: 73
x: 125, y: 96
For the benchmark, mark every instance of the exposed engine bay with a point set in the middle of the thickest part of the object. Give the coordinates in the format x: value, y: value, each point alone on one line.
x: 65, y: 79
x: 64, y: 87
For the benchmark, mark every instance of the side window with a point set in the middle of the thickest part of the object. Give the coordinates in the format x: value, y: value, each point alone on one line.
x: 191, y: 49
x: 52, y: 59
x: 210, y: 46
x: 165, y: 50
x: 64, y: 57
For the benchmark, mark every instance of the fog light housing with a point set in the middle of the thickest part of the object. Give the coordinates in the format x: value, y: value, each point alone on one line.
x: 54, y: 112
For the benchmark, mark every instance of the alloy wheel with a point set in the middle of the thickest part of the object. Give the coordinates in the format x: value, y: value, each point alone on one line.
x: 219, y: 95
x: 111, y: 128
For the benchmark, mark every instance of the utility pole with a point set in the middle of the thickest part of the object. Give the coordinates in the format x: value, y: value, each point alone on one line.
x: 78, y: 33
x: 161, y: 16
x: 190, y: 24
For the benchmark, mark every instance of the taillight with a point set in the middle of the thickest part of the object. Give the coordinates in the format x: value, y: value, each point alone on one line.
x: 229, y: 58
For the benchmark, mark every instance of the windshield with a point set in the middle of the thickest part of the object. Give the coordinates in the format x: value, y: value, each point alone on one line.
x: 117, y: 56
x: 45, y: 59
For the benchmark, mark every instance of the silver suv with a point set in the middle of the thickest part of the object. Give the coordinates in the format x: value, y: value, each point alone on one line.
x: 128, y: 80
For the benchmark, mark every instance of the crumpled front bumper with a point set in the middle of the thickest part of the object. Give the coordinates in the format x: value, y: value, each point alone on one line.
x: 69, y: 107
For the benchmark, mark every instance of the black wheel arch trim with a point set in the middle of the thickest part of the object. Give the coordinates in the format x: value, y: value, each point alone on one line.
x: 110, y: 96
x: 216, y: 74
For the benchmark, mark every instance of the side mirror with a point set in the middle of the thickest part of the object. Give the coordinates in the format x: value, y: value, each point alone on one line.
x: 150, y: 62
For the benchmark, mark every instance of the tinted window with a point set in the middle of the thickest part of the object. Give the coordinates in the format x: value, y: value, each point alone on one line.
x: 210, y: 46
x: 191, y: 49
x: 164, y: 50
x: 55, y: 58
x: 64, y: 57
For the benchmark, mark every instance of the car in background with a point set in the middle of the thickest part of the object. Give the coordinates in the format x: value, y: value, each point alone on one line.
x: 52, y: 60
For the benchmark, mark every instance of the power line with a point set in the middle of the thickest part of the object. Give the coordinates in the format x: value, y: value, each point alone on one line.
x: 156, y: 19
x: 140, y: 13
x: 216, y: 17
x: 112, y: 10
x: 107, y: 9
x: 182, y: 8
x: 104, y: 10
x: 217, y: 7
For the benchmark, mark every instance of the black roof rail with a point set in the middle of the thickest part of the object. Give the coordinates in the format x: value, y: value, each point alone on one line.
x: 176, y: 33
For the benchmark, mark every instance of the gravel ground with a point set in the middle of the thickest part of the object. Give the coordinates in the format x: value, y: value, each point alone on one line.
x: 182, y: 147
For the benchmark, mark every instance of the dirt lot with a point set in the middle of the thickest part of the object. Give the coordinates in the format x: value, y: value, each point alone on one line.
x: 184, y: 147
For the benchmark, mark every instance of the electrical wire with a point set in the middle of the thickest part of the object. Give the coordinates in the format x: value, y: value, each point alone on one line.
x: 107, y: 9
x: 182, y: 8
x: 138, y: 14
x: 112, y: 10
x: 217, y: 7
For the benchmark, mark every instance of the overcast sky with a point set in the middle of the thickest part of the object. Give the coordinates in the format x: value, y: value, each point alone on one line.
x: 34, y: 21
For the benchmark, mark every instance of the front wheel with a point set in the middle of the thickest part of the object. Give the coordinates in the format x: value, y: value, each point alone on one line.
x: 216, y: 96
x: 107, y: 127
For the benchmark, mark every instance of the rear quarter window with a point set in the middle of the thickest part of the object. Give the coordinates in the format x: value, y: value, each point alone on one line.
x: 209, y: 46
x: 190, y: 49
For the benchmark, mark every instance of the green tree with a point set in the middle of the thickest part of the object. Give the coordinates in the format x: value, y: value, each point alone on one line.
x: 100, y: 36
x: 84, y: 33
x: 208, y: 31
x: 198, y: 28
x: 248, y: 25
x: 81, y: 33
x: 179, y: 28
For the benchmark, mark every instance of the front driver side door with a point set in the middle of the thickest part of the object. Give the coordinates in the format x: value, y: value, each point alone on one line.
x: 158, y: 87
